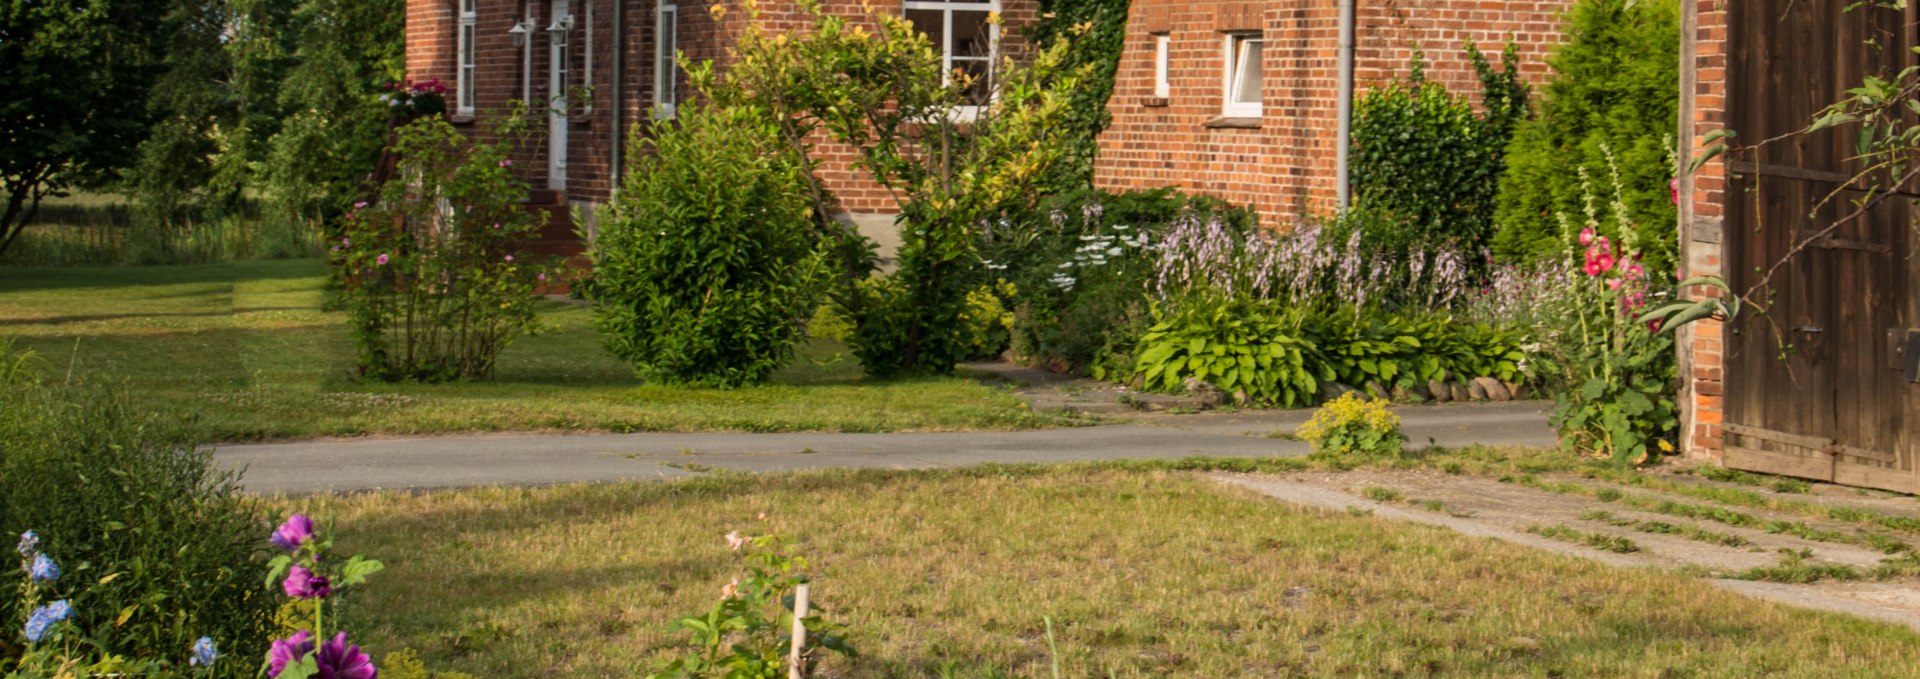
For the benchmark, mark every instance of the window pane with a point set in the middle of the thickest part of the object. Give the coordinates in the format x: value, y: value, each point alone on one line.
x: 972, y: 36
x: 1248, y: 72
x: 929, y: 22
x: 1160, y: 57
x: 668, y: 71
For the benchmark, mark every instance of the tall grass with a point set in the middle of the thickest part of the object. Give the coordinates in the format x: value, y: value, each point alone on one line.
x: 104, y: 230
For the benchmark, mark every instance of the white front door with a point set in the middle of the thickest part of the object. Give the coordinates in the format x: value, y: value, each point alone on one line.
x: 558, y: 77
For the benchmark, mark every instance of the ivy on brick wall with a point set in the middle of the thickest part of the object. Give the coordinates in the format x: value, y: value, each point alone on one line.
x: 1098, y: 29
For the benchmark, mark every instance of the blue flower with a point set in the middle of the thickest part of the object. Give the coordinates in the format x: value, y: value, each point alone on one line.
x: 204, y: 653
x: 29, y: 542
x: 43, y: 569
x: 45, y: 617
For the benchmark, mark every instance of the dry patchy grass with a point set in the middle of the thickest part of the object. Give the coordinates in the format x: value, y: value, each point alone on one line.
x: 1145, y: 573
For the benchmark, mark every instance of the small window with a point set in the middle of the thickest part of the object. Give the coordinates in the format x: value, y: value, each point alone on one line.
x: 968, y: 38
x: 665, y: 67
x: 1243, y: 75
x: 464, y: 71
x: 1161, y: 49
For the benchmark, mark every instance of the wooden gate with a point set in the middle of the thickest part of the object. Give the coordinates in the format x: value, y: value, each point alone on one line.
x: 1817, y: 387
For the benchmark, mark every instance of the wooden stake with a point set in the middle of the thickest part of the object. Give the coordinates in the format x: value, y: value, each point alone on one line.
x: 797, y: 670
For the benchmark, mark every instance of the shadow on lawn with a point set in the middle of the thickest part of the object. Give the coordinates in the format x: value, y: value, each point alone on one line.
x: 23, y: 279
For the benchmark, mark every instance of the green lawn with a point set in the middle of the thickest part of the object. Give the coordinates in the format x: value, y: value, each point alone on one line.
x: 1145, y: 574
x: 246, y: 349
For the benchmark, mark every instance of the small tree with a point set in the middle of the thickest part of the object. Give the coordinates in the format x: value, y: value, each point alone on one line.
x: 877, y: 85
x: 76, y: 75
x: 705, y: 271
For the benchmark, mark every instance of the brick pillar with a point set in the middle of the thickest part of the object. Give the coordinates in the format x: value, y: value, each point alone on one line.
x: 1703, y: 84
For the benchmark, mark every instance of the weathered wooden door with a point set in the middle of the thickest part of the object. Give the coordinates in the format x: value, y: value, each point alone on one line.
x: 1816, y: 386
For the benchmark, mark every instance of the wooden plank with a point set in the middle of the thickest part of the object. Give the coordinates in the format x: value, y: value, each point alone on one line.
x: 1866, y: 453
x: 1866, y: 476
x: 1819, y: 443
x: 1817, y: 466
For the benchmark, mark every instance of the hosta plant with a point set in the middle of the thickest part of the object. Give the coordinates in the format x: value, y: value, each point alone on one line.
x: 1245, y: 348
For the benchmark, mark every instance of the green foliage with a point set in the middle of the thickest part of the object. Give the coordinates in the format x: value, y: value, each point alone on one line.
x: 1428, y: 164
x: 1082, y: 267
x: 989, y: 325
x: 76, y: 74
x: 883, y: 92
x: 1351, y: 425
x: 1615, y: 83
x: 705, y: 271
x: 748, y: 633
x: 1239, y: 346
x: 406, y: 664
x: 436, y: 283
x: 1204, y: 338
x: 158, y: 543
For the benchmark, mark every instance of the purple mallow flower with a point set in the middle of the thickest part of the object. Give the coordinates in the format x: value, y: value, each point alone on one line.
x: 303, y: 584
x: 297, y: 529
x: 341, y: 660
x: 287, y: 651
x: 43, y: 569
x: 204, y: 653
x: 44, y: 618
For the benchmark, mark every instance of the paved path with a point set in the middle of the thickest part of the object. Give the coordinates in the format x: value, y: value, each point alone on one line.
x: 530, y: 459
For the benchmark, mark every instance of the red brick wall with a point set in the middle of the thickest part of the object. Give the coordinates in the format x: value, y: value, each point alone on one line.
x: 432, y: 47
x: 1703, y: 82
x: 1286, y: 166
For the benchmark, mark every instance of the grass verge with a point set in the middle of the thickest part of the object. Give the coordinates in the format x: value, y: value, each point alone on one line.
x: 245, y: 350
x: 1144, y: 573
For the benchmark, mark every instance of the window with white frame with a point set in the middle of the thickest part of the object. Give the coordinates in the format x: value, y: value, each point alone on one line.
x: 665, y: 69
x: 1162, y: 46
x: 463, y: 73
x: 1243, y: 75
x: 968, y: 38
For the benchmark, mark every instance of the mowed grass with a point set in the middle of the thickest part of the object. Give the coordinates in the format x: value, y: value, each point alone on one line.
x: 246, y: 350
x: 1144, y: 573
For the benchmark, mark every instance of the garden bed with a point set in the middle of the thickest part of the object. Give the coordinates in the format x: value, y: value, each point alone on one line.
x: 1143, y: 573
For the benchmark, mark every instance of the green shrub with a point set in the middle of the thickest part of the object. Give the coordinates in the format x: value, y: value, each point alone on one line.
x: 1242, y: 347
x: 158, y: 545
x: 1615, y: 83
x: 1428, y: 164
x: 705, y: 272
x: 438, y: 283
x: 1351, y: 425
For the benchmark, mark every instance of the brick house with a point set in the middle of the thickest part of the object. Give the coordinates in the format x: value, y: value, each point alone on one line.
x: 608, y: 65
x: 1242, y: 99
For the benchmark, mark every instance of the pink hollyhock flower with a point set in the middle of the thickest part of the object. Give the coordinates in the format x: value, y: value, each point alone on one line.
x: 340, y: 660
x: 1634, y: 271
x: 303, y: 584
x: 1593, y: 268
x: 288, y: 651
x: 735, y: 541
x: 1586, y: 236
x: 1606, y: 246
x: 381, y: 260
x: 1675, y: 185
x: 292, y: 533
x: 1605, y: 261
x: 1613, y: 283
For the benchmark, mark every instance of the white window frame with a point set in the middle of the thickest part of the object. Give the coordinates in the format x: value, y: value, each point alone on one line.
x: 1162, y: 53
x: 1235, y: 48
x: 945, y: 43
x: 466, y: 57
x: 666, y: 50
